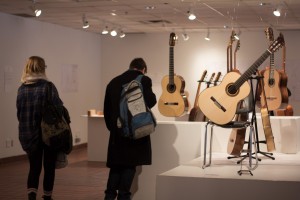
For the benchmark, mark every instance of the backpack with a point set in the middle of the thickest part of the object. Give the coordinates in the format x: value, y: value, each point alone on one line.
x: 55, y: 125
x: 136, y: 119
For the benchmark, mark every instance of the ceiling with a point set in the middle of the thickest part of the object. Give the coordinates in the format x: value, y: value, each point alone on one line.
x: 150, y: 16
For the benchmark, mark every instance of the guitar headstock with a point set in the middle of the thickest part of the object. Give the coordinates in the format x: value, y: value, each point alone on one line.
x: 232, y: 38
x: 238, y: 45
x: 279, y: 42
x: 173, y: 38
x: 269, y: 34
x: 218, y: 77
x: 203, y: 76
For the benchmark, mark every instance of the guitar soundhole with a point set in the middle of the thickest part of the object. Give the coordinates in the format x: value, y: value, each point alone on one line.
x: 271, y: 81
x: 231, y: 90
x: 171, y: 88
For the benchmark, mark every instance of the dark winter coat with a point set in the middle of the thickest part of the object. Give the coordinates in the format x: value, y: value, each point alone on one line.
x: 123, y: 151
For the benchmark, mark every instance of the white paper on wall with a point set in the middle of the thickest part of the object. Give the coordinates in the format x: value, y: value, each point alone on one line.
x: 69, y: 76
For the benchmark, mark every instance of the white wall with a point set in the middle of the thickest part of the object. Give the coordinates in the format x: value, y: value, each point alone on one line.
x: 100, y: 58
x: 194, y: 56
x: 21, y: 38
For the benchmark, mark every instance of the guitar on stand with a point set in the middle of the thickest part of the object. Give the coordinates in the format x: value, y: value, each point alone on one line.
x: 237, y: 137
x: 219, y: 103
x: 287, y: 108
x: 173, y: 101
x: 195, y: 113
x: 266, y: 122
x: 271, y: 80
x: 210, y: 81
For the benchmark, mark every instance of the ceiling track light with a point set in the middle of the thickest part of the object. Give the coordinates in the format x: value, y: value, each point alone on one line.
x: 85, y: 23
x: 276, y: 12
x: 191, y: 15
x: 37, y: 12
x: 185, y: 36
x: 113, y: 33
x: 105, y: 31
x: 207, y: 36
x: 122, y: 34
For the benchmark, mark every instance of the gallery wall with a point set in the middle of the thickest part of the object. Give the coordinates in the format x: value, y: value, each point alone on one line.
x: 81, y: 64
x: 73, y: 64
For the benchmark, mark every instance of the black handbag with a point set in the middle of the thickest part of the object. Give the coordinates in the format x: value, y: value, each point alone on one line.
x: 56, y: 130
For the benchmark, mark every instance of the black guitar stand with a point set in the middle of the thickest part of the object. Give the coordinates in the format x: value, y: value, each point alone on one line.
x: 253, y: 123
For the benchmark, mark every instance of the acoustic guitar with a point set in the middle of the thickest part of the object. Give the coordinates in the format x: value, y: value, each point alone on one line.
x: 219, y: 103
x: 271, y: 80
x: 173, y: 101
x: 266, y: 122
x: 237, y: 137
x: 195, y: 113
x: 287, y: 109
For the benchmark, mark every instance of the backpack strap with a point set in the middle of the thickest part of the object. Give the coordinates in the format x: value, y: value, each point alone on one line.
x: 139, y: 78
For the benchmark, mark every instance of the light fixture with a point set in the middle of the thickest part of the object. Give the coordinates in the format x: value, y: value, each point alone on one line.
x: 113, y: 33
x: 85, y: 23
x: 207, y: 35
x: 236, y: 37
x: 37, y: 12
x: 276, y: 12
x: 185, y: 36
x: 122, y: 34
x: 105, y: 31
x: 191, y: 15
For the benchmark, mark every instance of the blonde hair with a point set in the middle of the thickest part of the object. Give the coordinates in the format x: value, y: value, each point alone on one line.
x: 34, y: 69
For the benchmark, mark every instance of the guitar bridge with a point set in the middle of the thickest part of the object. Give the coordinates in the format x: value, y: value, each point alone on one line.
x: 218, y: 104
x: 171, y: 103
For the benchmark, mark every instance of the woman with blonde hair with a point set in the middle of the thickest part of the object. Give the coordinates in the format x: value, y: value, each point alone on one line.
x: 31, y: 98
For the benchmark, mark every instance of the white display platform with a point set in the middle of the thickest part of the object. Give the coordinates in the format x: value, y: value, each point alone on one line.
x: 273, y: 179
x: 177, y: 142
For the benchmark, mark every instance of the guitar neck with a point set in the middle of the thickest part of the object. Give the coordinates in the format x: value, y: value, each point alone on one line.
x: 171, y: 65
x: 239, y: 82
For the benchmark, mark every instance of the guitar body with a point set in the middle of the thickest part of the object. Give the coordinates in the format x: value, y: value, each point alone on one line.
x: 272, y: 89
x: 283, y: 89
x: 237, y: 138
x: 196, y: 115
x: 173, y: 101
x: 218, y: 104
x: 267, y: 129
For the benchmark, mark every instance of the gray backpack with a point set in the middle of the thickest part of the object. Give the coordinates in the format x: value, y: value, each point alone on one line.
x: 136, y: 119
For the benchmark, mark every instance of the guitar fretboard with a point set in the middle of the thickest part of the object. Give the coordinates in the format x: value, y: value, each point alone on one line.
x: 239, y: 82
x: 171, y: 65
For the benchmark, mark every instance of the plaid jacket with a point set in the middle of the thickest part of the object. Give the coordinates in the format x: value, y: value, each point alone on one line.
x: 30, y: 102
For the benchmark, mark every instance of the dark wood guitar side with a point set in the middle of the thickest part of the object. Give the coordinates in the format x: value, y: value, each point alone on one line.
x: 173, y: 101
x: 195, y: 113
x: 266, y: 122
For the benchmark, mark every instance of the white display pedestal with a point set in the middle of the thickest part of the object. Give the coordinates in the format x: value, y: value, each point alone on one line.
x: 175, y: 143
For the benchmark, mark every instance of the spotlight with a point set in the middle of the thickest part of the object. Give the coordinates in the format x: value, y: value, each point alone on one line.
x: 105, y: 31
x: 85, y: 23
x: 113, y: 33
x: 37, y: 12
x: 207, y: 36
x: 236, y: 37
x: 276, y: 12
x: 191, y: 15
x: 122, y: 34
x: 185, y: 37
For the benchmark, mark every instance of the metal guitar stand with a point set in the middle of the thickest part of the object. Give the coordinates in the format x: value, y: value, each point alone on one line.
x: 254, y: 123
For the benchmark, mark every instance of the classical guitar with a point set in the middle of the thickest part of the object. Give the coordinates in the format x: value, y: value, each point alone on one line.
x: 195, y: 113
x: 266, y: 122
x: 286, y: 109
x: 219, y: 103
x: 173, y: 101
x: 208, y: 83
x: 237, y: 137
x: 271, y: 80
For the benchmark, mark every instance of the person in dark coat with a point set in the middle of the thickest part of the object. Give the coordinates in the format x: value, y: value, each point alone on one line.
x: 125, y: 154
